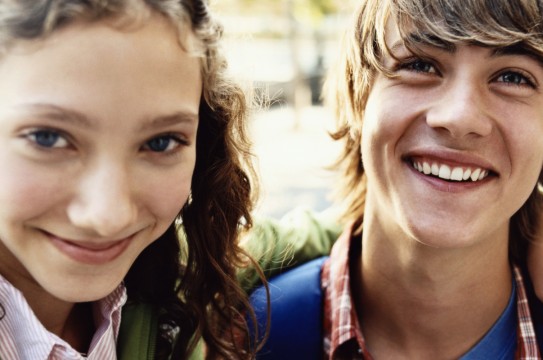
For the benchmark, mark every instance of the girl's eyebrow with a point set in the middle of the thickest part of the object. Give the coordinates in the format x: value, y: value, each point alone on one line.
x: 66, y: 115
x: 176, y: 118
x: 58, y: 113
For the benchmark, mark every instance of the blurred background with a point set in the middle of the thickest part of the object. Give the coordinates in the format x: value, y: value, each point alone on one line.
x: 284, y: 48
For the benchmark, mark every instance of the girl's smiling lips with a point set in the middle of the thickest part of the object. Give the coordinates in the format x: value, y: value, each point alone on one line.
x: 90, y: 252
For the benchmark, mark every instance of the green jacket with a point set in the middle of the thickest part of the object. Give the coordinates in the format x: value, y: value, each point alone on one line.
x: 277, y: 246
x: 138, y: 331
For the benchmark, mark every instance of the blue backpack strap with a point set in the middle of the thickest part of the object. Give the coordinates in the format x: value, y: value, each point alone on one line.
x: 296, y: 313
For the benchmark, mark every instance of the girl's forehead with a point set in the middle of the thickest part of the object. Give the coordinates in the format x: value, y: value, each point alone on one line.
x: 123, y: 15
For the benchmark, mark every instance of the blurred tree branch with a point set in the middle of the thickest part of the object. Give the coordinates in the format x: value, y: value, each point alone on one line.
x: 308, y: 12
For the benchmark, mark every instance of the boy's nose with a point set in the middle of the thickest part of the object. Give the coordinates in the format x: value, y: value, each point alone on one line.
x: 461, y: 111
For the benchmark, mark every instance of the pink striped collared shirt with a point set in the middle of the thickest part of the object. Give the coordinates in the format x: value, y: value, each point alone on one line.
x: 22, y: 336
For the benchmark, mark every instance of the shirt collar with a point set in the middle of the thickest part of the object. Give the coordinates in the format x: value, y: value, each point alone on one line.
x: 22, y: 336
x: 341, y: 326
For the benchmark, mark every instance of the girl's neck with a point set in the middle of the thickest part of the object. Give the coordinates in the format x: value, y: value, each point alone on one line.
x: 80, y: 329
x: 71, y: 322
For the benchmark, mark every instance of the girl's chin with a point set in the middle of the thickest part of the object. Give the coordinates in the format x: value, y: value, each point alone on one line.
x: 82, y: 291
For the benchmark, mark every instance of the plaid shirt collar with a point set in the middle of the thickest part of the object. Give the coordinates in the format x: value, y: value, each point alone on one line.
x: 343, y: 338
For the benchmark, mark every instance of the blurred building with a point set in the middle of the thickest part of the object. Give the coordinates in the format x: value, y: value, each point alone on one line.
x: 284, y: 48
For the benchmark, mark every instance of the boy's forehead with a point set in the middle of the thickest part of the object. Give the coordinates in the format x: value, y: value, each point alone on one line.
x: 393, y: 37
x: 396, y: 39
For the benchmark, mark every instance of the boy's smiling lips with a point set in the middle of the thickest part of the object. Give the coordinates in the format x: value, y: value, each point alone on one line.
x: 451, y: 166
x: 446, y: 171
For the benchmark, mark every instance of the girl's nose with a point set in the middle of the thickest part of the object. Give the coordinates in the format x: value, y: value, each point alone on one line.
x: 104, y: 203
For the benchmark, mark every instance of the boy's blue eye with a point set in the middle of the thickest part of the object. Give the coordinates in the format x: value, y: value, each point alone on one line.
x: 419, y: 65
x: 514, y: 78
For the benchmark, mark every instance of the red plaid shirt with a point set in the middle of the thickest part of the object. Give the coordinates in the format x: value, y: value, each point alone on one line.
x: 343, y: 337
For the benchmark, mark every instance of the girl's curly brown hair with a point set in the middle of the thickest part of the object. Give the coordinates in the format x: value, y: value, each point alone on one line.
x: 191, y: 279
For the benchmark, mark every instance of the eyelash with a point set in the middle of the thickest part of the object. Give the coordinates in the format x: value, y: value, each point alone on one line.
x: 409, y: 65
x: 171, y: 137
x: 33, y: 135
x: 54, y: 136
x: 526, y: 80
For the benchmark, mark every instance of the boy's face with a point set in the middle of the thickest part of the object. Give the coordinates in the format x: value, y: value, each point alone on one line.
x: 98, y: 130
x: 452, y: 145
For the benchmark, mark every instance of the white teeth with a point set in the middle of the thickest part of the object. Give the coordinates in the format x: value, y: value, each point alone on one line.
x: 426, y: 168
x: 475, y: 174
x: 444, y: 172
x: 457, y: 174
x: 435, y: 169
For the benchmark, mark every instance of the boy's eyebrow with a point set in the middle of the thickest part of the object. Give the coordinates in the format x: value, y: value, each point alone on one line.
x: 435, y: 42
x: 424, y: 40
x: 63, y: 114
x: 517, y: 49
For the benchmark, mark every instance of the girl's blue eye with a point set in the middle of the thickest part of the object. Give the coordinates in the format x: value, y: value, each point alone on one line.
x: 47, y: 138
x: 163, y: 143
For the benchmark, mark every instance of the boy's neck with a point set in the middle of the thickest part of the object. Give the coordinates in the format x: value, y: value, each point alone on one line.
x: 420, y: 302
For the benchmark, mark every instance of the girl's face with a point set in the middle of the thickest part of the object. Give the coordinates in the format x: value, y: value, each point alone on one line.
x: 452, y: 144
x: 98, y: 130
